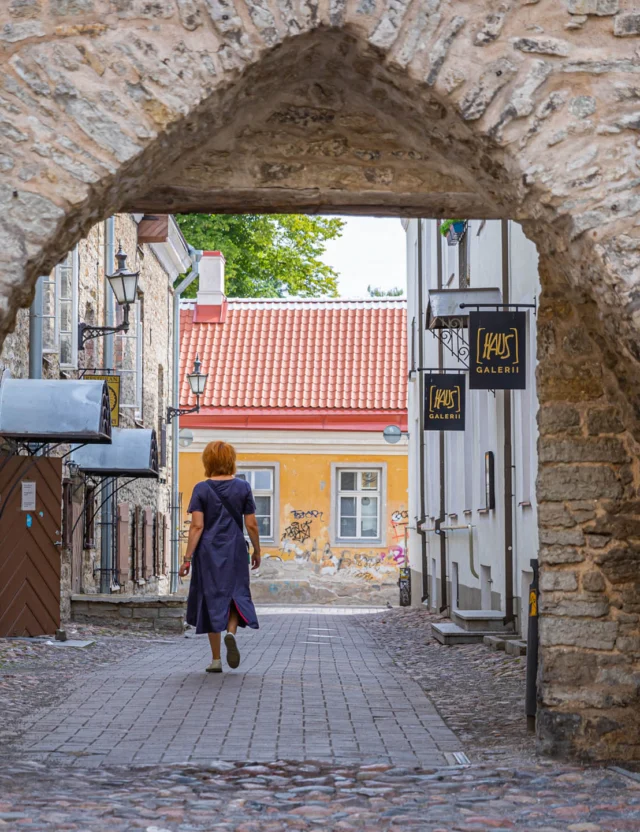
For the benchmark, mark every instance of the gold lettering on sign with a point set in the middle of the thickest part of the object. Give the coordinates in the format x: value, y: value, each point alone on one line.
x: 444, y: 399
x: 498, y: 345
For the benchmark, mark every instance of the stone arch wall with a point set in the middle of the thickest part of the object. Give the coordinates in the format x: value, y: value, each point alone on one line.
x: 518, y: 108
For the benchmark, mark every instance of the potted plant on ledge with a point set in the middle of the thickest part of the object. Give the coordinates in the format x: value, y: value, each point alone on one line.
x: 453, y: 230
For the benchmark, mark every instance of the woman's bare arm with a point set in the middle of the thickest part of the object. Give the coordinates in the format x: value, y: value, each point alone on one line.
x: 195, y: 533
x: 251, y: 524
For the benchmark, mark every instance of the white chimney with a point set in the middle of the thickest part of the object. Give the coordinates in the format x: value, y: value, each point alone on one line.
x: 211, y: 291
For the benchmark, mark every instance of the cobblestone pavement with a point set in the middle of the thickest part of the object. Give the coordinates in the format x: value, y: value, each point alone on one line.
x: 479, y: 692
x: 308, y: 683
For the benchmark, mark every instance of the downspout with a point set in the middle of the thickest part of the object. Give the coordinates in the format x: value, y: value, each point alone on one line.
x: 35, y: 331
x: 423, y: 496
x: 508, y: 453
x: 438, y: 524
x: 195, y: 255
x: 107, y: 564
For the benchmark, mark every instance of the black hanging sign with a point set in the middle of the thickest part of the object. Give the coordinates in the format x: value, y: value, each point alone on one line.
x: 444, y: 405
x: 497, y: 350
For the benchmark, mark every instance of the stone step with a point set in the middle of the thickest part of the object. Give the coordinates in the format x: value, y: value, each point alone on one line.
x: 488, y: 621
x: 516, y: 648
x: 497, y: 642
x: 446, y: 632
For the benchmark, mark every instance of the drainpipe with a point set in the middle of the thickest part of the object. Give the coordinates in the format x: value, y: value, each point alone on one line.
x: 195, y: 255
x: 35, y: 331
x: 423, y: 496
x: 107, y: 554
x: 508, y: 453
x: 438, y: 524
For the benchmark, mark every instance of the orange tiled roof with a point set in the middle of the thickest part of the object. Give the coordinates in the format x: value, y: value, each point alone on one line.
x: 328, y: 355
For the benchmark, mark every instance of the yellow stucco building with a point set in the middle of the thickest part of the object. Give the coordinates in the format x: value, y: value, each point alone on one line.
x: 303, y: 389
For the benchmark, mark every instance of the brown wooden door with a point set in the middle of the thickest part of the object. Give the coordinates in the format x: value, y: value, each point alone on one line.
x: 30, y: 547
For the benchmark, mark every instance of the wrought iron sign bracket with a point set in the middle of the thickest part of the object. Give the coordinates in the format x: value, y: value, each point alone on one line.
x: 453, y: 340
x: 87, y: 332
x: 499, y: 306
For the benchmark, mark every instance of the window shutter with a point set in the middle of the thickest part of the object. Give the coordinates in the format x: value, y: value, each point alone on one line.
x: 147, y: 543
x: 136, y: 542
x: 122, y: 542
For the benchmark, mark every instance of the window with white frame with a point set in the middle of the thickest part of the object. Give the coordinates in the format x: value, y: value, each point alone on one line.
x: 359, y: 496
x: 262, y: 482
x: 60, y: 311
x: 129, y: 358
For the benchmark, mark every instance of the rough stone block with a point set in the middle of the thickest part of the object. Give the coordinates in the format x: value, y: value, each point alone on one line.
x: 557, y: 418
x: 593, y: 581
x: 621, y: 564
x: 542, y: 46
x: 125, y: 612
x: 601, y: 8
x: 584, y: 482
x: 569, y: 667
x: 627, y: 25
x: 557, y: 732
x: 561, y: 537
x: 560, y: 554
x: 178, y: 612
x: 597, y: 541
x: 595, y: 635
x: 553, y: 581
x: 575, y: 607
x: 582, y: 450
x: 604, y: 420
x: 145, y: 612
x: 554, y: 514
x: 495, y: 642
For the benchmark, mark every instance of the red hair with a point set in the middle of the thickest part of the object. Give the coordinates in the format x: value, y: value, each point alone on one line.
x: 219, y: 458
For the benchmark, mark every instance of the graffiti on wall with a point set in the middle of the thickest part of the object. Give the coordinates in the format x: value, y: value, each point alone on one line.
x: 298, y: 531
x: 300, y: 545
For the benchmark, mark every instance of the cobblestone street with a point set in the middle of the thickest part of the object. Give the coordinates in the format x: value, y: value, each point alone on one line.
x: 326, y: 725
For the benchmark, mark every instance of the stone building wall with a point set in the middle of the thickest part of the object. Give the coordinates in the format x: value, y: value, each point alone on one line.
x: 155, y: 286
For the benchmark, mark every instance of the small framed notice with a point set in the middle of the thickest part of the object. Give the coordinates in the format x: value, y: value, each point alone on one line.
x: 28, y: 496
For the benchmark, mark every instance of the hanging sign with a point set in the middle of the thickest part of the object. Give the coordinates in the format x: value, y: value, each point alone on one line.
x: 444, y: 405
x: 497, y: 350
x: 113, y: 384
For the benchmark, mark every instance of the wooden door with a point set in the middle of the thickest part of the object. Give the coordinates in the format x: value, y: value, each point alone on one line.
x: 30, y: 541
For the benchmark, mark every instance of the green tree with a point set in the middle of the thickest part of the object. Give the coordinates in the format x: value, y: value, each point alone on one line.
x: 267, y: 256
x: 375, y: 292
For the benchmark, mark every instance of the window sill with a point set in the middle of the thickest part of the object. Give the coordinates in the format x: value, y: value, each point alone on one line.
x: 358, y: 543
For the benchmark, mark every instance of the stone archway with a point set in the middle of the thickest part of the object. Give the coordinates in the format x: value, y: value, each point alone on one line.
x: 528, y: 110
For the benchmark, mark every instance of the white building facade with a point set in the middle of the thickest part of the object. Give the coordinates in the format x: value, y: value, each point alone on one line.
x: 471, y: 543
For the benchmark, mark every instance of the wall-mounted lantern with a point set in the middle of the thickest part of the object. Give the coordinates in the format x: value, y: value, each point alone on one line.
x: 393, y: 434
x: 197, y: 382
x: 124, y: 285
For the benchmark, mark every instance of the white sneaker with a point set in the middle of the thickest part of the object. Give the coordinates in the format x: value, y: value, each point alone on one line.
x: 233, y: 654
x: 215, y: 666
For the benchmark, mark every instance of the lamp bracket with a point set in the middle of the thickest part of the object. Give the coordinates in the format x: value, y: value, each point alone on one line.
x: 172, y: 412
x: 86, y: 332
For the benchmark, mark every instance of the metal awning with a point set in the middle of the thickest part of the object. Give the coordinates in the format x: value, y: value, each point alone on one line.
x: 55, y: 411
x: 133, y: 452
x: 443, y: 308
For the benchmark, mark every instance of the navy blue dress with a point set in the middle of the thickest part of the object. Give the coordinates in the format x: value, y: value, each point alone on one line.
x: 220, y: 564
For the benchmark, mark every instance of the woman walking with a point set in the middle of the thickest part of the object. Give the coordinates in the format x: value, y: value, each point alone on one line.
x: 219, y: 595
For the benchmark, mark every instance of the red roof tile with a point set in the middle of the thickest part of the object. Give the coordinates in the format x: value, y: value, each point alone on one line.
x: 324, y: 355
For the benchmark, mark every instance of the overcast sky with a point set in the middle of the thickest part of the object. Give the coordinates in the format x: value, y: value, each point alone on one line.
x: 371, y: 252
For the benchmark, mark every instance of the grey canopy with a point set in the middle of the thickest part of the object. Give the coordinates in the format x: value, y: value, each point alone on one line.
x: 443, y: 308
x: 133, y: 452
x: 43, y: 410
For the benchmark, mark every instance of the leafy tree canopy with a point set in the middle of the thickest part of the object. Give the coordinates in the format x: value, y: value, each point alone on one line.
x: 375, y: 292
x: 267, y: 256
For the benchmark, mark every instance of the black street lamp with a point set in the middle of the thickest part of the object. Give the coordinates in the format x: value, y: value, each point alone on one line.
x: 124, y: 285
x: 197, y: 381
